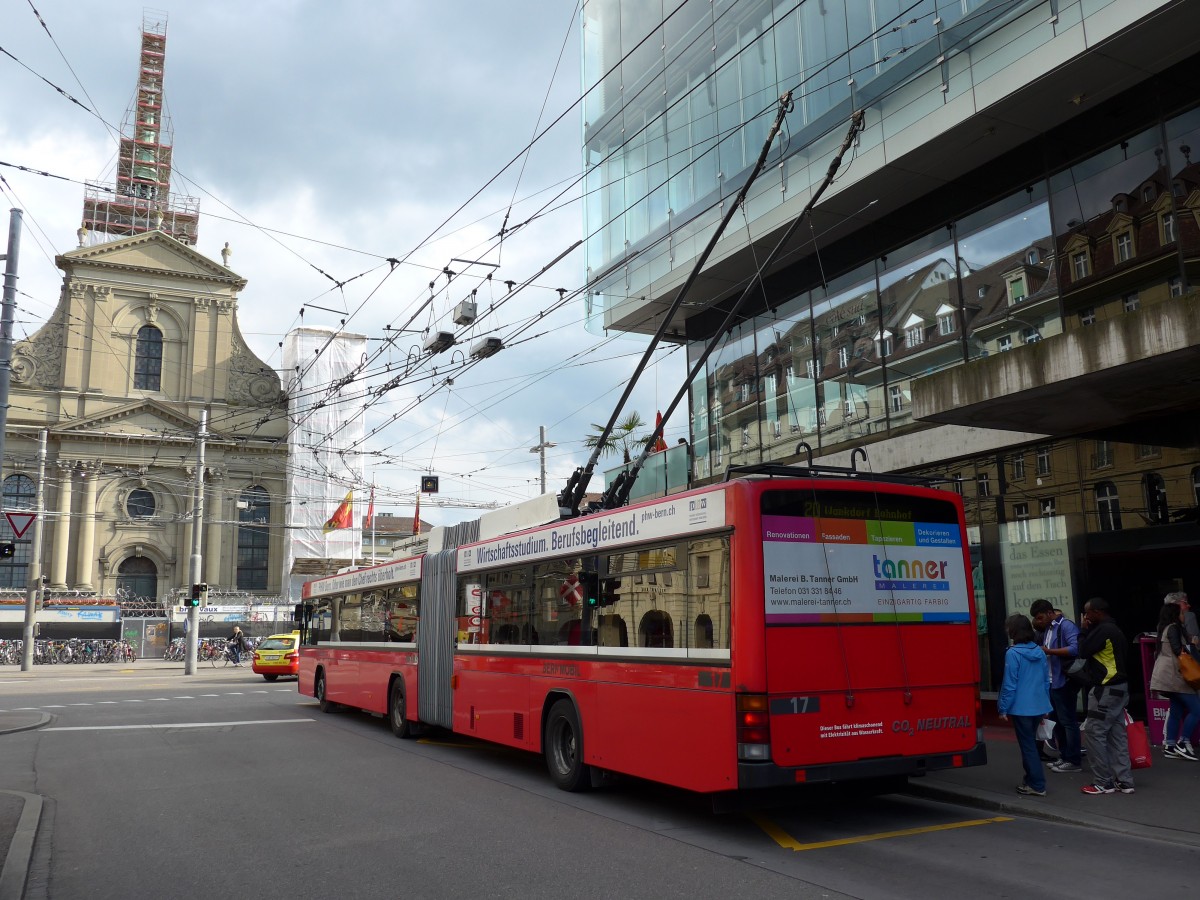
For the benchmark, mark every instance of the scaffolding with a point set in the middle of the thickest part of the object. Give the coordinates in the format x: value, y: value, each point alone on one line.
x: 141, y: 200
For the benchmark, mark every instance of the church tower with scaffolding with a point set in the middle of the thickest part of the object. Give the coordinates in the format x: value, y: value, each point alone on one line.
x: 141, y: 199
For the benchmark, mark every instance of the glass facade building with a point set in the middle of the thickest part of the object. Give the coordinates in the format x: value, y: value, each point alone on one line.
x: 948, y: 236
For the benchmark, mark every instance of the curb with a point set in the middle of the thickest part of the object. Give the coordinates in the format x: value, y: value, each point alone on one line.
x: 44, y: 719
x: 20, y: 851
x: 1036, y: 810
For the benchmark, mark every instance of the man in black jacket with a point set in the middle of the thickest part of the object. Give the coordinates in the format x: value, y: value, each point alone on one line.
x: 1104, y: 728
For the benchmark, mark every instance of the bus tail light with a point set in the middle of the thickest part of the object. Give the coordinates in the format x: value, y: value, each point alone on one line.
x: 753, y: 727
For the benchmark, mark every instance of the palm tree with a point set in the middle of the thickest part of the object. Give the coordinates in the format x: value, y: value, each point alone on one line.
x: 624, y: 437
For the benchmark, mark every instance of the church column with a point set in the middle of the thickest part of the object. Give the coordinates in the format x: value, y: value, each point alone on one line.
x: 85, y: 556
x: 62, y: 527
x: 214, y: 512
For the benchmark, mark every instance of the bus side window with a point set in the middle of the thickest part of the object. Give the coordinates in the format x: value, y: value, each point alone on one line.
x: 612, y: 632
x: 706, y: 625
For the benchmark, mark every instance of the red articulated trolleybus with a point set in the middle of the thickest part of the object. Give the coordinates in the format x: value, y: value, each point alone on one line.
x: 790, y: 625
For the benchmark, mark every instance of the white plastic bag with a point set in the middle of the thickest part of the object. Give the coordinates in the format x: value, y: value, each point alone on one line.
x: 1045, y: 730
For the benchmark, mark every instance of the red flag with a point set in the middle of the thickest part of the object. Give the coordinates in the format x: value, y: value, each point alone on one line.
x: 659, y: 445
x: 343, y: 516
x: 417, y: 517
x: 370, y: 510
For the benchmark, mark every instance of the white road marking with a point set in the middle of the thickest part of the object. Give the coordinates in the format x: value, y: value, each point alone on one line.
x: 80, y: 704
x: 56, y: 706
x: 178, y: 725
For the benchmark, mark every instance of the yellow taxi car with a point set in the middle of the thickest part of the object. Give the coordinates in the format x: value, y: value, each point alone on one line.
x: 277, y: 655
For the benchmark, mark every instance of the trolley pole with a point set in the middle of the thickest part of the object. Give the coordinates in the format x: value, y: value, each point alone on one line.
x: 29, y: 635
x: 193, y: 613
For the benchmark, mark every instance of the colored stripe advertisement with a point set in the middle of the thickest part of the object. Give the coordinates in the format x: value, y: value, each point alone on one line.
x: 822, y: 571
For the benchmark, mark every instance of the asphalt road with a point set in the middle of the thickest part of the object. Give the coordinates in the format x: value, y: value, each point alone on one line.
x: 165, y: 785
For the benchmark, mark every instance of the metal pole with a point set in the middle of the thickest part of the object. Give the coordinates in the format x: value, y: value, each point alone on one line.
x: 193, y: 635
x: 7, y: 314
x: 540, y: 449
x: 29, y: 635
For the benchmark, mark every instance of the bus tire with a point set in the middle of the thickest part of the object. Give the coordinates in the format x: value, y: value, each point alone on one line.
x: 327, y: 706
x: 562, y: 745
x: 398, y: 712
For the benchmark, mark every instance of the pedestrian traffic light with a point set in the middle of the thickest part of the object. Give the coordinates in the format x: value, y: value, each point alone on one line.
x: 7, y: 549
x: 191, y: 601
x: 199, y: 595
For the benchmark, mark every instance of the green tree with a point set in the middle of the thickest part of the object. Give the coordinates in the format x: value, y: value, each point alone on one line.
x: 627, y: 435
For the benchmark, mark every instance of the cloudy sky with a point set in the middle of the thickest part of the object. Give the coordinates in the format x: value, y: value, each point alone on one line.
x: 324, y: 138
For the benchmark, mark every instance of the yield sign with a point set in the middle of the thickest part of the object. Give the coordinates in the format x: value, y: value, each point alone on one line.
x: 20, y: 521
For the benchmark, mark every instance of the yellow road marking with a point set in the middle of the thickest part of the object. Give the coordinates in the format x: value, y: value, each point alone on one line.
x: 787, y: 842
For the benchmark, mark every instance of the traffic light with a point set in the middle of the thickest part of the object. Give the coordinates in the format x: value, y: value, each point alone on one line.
x: 590, y: 582
x: 429, y: 484
x: 7, y: 549
x: 198, y: 597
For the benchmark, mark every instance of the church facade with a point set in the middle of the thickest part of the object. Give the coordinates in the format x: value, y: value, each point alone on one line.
x: 143, y: 341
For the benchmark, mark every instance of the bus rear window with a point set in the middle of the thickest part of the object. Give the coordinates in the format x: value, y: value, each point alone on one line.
x: 862, y: 556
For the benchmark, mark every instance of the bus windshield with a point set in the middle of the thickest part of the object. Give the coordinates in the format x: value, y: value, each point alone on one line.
x: 835, y: 556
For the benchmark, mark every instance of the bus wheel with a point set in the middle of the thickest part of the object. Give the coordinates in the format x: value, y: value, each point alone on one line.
x: 562, y: 743
x: 397, y: 712
x: 327, y: 706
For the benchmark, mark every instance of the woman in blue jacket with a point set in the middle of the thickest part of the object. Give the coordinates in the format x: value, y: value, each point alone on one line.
x: 1025, y: 698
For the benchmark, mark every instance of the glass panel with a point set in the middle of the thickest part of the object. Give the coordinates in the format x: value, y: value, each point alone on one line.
x: 850, y: 385
x: 1095, y: 204
x: 508, y: 612
x: 733, y: 393
x: 1006, y: 262
x: 702, y: 421
x: 557, y: 597
x: 1183, y: 140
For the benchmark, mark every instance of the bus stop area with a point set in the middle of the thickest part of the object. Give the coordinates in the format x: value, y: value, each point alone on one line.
x: 1162, y: 808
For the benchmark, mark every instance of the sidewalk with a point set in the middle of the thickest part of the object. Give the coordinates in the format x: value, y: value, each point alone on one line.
x: 1163, y: 807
